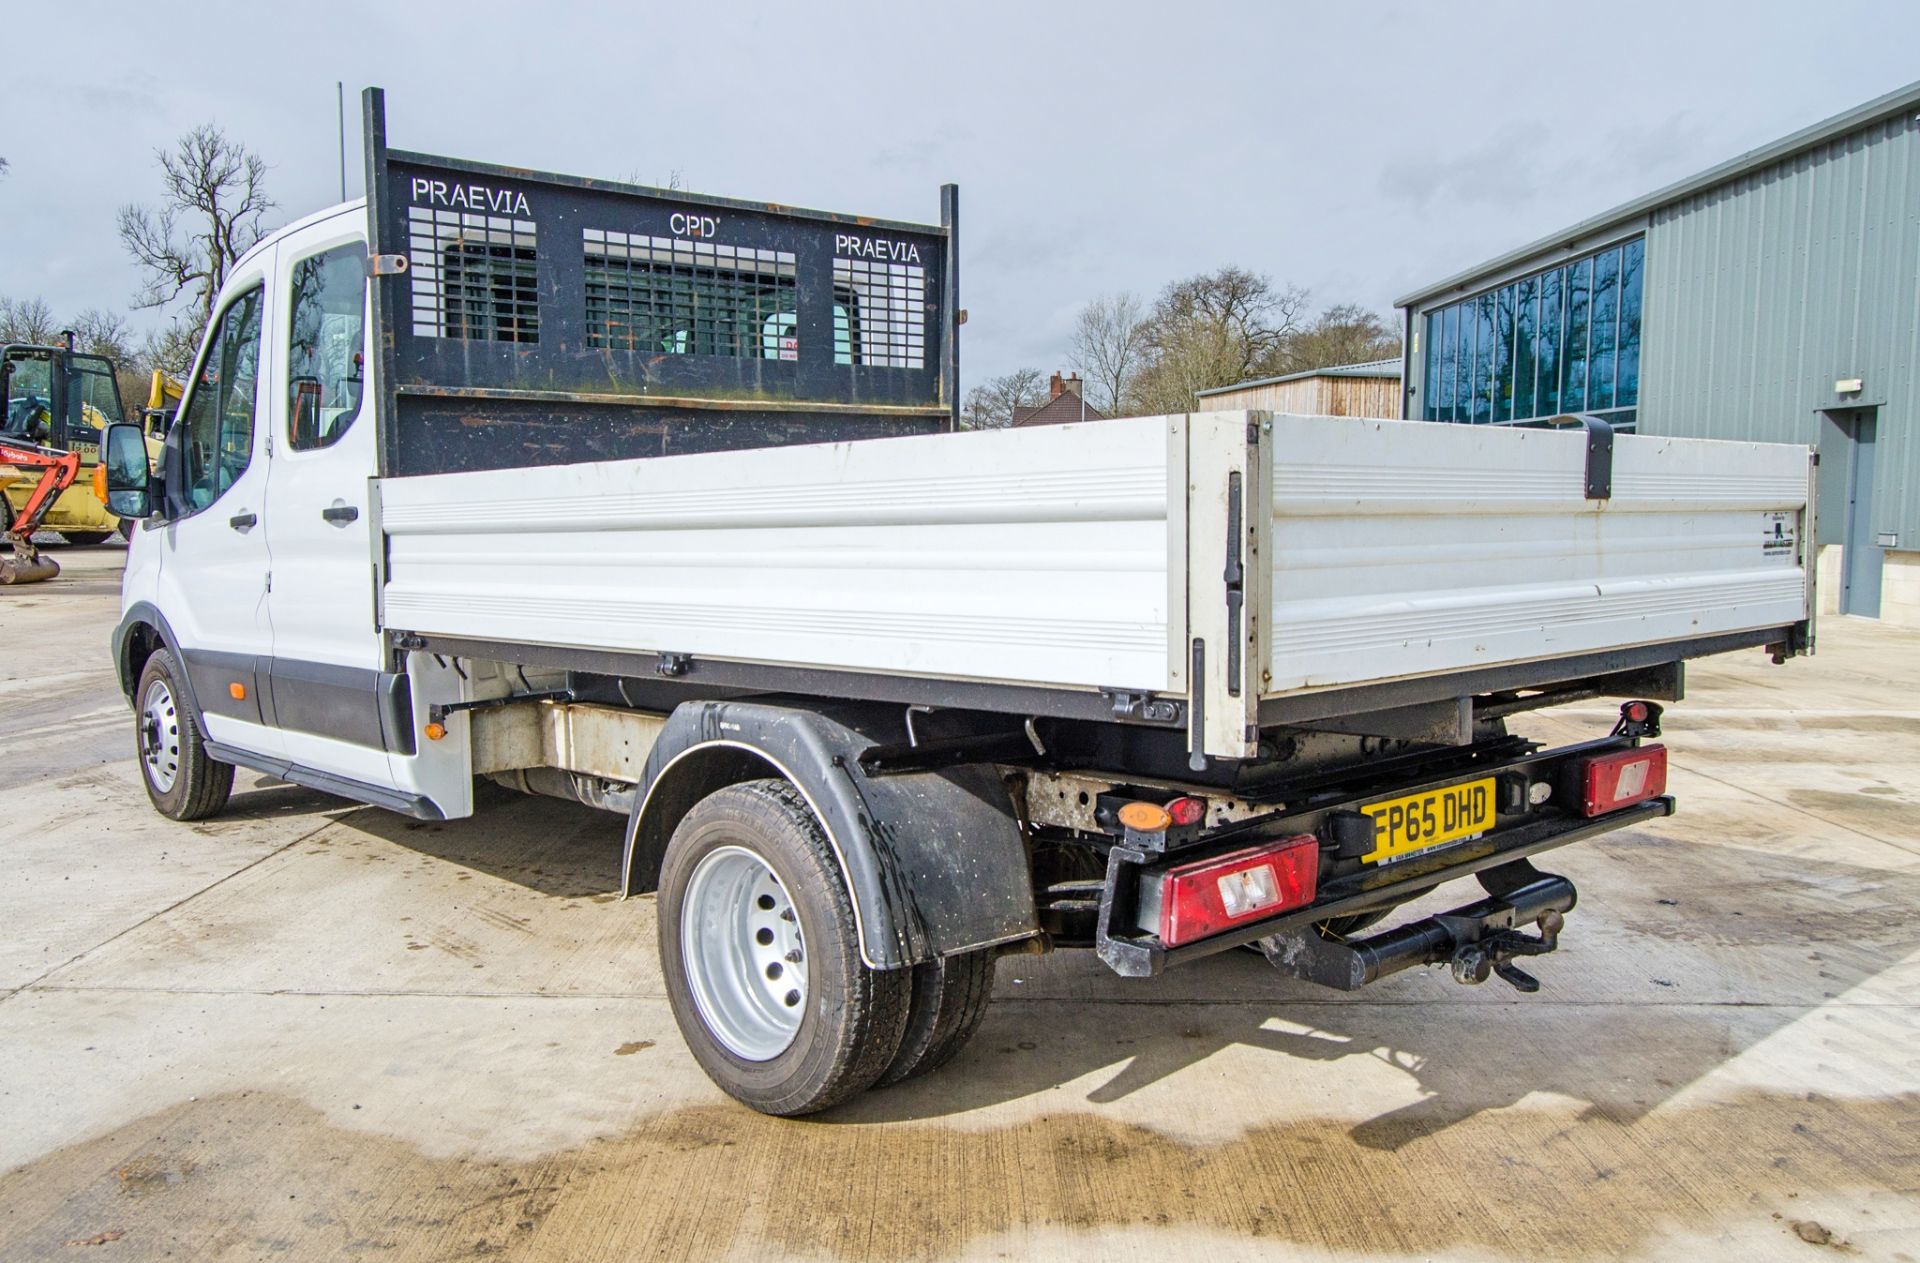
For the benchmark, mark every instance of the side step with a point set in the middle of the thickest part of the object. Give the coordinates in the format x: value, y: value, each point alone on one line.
x: 1476, y: 941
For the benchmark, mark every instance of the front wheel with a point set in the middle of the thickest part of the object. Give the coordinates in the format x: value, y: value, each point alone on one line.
x: 761, y: 955
x: 182, y: 780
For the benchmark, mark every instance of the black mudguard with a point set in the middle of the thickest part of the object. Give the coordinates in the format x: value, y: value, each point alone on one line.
x: 936, y: 862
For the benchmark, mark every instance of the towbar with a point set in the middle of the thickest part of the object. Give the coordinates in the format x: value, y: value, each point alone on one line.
x: 1476, y: 940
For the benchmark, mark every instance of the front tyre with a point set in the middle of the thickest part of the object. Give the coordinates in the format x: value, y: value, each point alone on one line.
x: 761, y: 955
x: 181, y: 779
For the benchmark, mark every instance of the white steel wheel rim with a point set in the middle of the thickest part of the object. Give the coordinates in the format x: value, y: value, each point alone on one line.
x: 743, y: 953
x: 160, y: 736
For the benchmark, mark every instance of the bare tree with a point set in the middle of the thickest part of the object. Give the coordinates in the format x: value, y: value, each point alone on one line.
x: 214, y: 200
x: 27, y: 320
x: 1345, y: 333
x: 1109, y: 347
x: 1213, y: 330
x: 990, y: 405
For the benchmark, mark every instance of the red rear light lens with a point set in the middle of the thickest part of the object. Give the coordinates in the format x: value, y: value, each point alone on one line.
x: 1208, y: 896
x: 1609, y: 782
x: 1186, y: 811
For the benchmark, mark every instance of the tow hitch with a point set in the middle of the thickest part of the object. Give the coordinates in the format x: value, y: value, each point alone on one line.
x: 1477, y: 941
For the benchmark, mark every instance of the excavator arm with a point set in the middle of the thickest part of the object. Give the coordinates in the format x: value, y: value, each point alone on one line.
x: 58, y: 469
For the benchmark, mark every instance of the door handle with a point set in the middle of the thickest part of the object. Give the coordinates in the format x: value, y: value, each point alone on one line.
x: 243, y: 522
x: 340, y: 514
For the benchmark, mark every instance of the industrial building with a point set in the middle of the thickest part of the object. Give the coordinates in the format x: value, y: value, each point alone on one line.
x: 1774, y: 297
x: 1343, y: 390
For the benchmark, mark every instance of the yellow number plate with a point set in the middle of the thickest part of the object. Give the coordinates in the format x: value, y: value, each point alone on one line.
x: 1433, y: 818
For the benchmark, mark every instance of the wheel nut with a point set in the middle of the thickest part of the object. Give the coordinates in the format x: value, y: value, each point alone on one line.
x: 793, y: 957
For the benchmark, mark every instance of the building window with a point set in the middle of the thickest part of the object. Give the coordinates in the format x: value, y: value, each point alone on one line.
x: 1563, y: 340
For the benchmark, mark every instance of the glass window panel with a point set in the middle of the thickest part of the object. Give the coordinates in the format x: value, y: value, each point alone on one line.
x: 1549, y: 344
x: 1483, y: 381
x: 325, y: 346
x: 1503, y: 303
x: 1627, y: 370
x: 1449, y: 359
x: 1525, y: 318
x: 1463, y: 362
x: 218, y: 411
x: 1436, y: 336
x: 1573, y: 391
x: 1606, y: 314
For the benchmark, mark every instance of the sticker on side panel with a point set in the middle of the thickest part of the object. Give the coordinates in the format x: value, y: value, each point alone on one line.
x: 1778, y: 540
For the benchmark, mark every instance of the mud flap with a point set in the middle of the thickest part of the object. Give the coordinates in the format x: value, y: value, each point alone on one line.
x: 935, y: 861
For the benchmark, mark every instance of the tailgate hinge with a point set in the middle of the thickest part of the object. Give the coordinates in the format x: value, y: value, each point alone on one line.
x: 1599, y: 479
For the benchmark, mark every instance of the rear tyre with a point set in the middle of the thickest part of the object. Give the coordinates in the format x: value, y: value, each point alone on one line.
x: 183, y: 781
x: 761, y: 955
x: 950, y: 997
x: 86, y: 539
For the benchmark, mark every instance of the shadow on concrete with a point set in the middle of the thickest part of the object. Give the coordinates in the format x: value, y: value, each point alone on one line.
x: 548, y: 845
x: 1469, y: 1057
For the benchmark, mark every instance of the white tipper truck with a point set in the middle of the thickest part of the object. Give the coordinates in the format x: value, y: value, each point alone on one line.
x: 658, y: 502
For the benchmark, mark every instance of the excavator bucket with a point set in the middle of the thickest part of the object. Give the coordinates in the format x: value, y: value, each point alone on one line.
x: 26, y: 564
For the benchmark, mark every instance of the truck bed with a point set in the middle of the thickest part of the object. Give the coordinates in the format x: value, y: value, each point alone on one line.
x: 1089, y: 559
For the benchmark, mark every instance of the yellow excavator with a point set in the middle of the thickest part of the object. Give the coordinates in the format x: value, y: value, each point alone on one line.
x: 57, y: 399
x: 58, y: 404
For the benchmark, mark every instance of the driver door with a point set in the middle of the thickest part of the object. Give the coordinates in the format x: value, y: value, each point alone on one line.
x: 214, y: 563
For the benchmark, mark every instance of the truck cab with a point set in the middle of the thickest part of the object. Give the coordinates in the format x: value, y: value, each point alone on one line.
x: 58, y: 397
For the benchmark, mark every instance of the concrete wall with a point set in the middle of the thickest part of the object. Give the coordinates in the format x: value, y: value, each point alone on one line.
x: 1899, y: 585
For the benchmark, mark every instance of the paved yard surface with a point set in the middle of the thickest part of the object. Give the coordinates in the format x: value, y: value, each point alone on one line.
x: 309, y: 1030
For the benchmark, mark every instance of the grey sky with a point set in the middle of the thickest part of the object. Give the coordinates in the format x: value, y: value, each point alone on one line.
x: 1359, y: 150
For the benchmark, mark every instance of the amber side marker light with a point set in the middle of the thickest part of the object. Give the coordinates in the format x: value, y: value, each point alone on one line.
x: 1145, y: 817
x: 237, y: 691
x: 436, y: 731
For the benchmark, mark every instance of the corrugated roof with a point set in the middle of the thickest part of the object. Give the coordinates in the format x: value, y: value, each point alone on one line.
x: 1853, y: 120
x: 1371, y: 368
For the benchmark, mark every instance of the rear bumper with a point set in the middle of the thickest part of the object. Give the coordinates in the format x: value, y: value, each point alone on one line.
x: 1132, y: 954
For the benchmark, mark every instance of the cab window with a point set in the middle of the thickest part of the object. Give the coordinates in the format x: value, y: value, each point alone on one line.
x: 93, y: 399
x: 218, y: 415
x: 325, y: 353
x: 29, y: 394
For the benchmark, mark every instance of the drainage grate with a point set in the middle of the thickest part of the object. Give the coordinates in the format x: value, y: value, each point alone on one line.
x: 662, y: 295
x: 886, y: 313
x: 473, y: 276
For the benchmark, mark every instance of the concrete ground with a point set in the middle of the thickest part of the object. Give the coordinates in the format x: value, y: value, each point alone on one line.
x: 317, y: 1031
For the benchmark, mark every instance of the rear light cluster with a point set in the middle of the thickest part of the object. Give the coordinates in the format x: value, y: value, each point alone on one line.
x: 1208, y: 896
x: 1608, y: 782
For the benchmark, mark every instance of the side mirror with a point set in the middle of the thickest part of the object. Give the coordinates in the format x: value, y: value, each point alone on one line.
x: 129, y: 481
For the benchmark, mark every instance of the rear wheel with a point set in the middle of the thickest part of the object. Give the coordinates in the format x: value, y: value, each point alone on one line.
x: 182, y: 780
x: 950, y: 998
x: 761, y: 955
